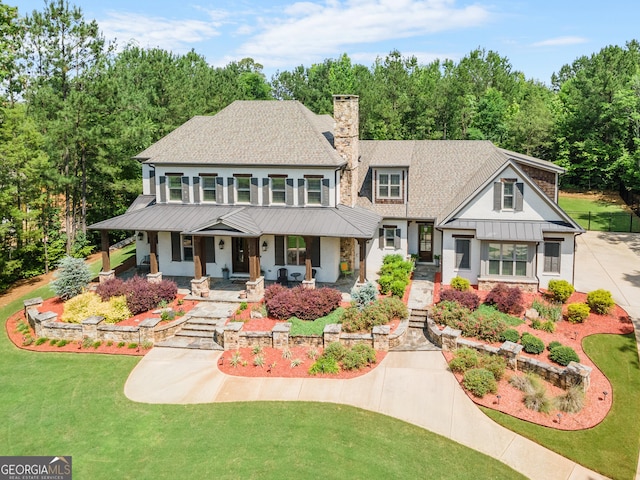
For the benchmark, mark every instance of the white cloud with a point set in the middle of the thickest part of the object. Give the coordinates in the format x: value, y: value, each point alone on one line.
x: 170, y: 34
x: 560, y: 41
x: 309, y: 31
x: 368, y: 58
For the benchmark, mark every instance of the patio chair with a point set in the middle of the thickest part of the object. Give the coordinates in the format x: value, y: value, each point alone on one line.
x: 344, y: 270
x: 283, y: 277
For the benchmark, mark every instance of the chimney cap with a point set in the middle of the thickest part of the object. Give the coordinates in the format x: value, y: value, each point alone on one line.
x: 345, y: 97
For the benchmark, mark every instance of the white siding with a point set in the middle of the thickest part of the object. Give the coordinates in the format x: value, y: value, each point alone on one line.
x: 375, y: 253
x: 449, y: 258
x: 566, y: 261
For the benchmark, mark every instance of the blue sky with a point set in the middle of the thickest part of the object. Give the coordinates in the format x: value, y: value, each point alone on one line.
x: 538, y: 37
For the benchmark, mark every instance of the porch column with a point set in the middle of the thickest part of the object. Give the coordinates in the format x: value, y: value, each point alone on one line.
x: 254, y: 259
x: 106, y: 273
x: 308, y: 273
x: 203, y: 257
x: 197, y: 256
x: 362, y: 242
x: 153, y: 252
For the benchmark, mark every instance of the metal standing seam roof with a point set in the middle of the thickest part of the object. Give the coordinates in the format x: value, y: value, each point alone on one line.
x: 517, y: 231
x: 260, y: 133
x: 341, y: 221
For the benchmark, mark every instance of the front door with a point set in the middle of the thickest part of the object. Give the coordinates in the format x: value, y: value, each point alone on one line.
x: 240, y: 252
x: 425, y: 242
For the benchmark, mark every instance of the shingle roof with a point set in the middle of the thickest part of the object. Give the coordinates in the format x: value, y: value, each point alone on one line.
x: 280, y: 133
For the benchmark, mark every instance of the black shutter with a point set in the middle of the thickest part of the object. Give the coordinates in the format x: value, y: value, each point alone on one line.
x: 254, y: 191
x: 325, y: 192
x: 265, y: 191
x: 289, y: 191
x: 279, y: 250
x: 381, y: 238
x: 396, y: 239
x: 152, y: 181
x: 231, y: 190
x: 497, y: 196
x: 196, y: 189
x: 301, y: 192
x: 185, y: 189
x: 315, y: 252
x: 163, y: 189
x: 210, y: 249
x: 519, y: 196
x: 176, y: 247
x: 219, y: 190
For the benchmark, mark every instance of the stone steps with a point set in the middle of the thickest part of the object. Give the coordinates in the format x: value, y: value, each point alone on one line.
x: 195, y: 333
x: 418, y: 318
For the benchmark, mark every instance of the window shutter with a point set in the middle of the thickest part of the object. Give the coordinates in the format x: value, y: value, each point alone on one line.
x: 185, y: 189
x: 315, y: 252
x: 231, y: 190
x: 196, y: 189
x: 396, y: 239
x: 176, y: 255
x: 254, y: 191
x: 519, y: 196
x: 325, y: 192
x: 381, y: 238
x: 497, y: 196
x: 210, y: 249
x: 289, y: 191
x: 163, y: 189
x: 265, y: 191
x: 279, y: 250
x: 152, y: 181
x: 301, y: 191
x: 219, y: 190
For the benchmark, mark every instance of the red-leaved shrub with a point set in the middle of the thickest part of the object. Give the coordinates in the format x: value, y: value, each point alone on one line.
x: 467, y: 299
x: 284, y: 303
x: 111, y: 288
x: 506, y: 299
x: 141, y: 294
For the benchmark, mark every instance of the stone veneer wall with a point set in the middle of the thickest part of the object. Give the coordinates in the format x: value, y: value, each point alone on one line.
x: 487, y: 285
x: 574, y: 374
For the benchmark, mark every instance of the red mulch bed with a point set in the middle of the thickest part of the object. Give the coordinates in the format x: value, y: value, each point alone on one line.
x: 276, y: 366
x: 597, y: 404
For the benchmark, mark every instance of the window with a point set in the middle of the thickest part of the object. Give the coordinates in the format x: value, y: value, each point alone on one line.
x: 243, y: 189
x: 389, y: 185
x: 278, y: 193
x: 463, y: 253
x: 508, y: 194
x: 292, y: 250
x: 508, y: 259
x: 389, y: 237
x: 552, y: 257
x: 175, y: 187
x: 314, y: 191
x: 187, y: 248
x: 296, y: 250
x: 209, y: 189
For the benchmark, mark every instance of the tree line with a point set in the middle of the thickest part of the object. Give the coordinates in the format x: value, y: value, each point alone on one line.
x: 74, y: 110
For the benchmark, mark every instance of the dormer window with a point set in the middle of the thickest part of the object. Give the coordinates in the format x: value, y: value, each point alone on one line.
x: 508, y: 195
x: 389, y: 186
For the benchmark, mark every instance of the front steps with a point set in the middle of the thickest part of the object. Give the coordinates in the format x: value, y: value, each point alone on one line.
x: 416, y: 341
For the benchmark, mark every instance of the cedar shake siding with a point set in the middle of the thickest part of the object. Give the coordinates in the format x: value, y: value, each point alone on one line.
x: 543, y: 178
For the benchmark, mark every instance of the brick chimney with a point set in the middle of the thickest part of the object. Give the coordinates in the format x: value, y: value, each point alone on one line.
x: 345, y: 141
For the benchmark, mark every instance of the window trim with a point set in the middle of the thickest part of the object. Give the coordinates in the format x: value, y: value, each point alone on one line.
x: 389, y: 185
x: 282, y: 191
x: 512, y: 196
x: 173, y: 189
x: 301, y: 251
x: 486, y: 260
x: 187, y: 247
x: 239, y: 190
x: 308, y: 189
x: 204, y: 189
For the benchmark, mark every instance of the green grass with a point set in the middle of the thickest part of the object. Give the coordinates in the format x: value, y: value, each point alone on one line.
x: 73, y: 404
x: 116, y: 258
x: 599, y: 215
x: 611, y: 447
x: 314, y: 327
x: 488, y: 310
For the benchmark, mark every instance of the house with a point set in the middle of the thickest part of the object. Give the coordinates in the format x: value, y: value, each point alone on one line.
x: 265, y: 185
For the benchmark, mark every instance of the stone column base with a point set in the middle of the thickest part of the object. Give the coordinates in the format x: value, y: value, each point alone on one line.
x: 106, y: 276
x: 255, y: 289
x: 309, y: 284
x: 154, y: 277
x: 200, y: 287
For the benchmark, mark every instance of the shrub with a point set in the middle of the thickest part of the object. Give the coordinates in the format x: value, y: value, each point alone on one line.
x: 296, y: 362
x: 114, y: 287
x: 538, y: 400
x: 96, y: 344
x: 143, y: 296
x: 531, y: 343
x: 324, y: 365
x: 460, y: 284
x: 560, y: 290
x: 109, y: 343
x: 355, y: 360
x: 600, y: 301
x: 467, y: 299
x: 572, y: 401
x: 284, y: 303
x: 577, y: 312
x: 398, y: 288
x: 548, y: 311
x: 506, y: 299
x: 385, y: 282
x: 62, y: 343
x: 286, y: 354
x: 132, y: 345
x: 449, y: 313
x: 72, y: 278
x: 28, y: 340
x: 258, y: 361
x: 392, y: 307
x: 548, y: 326
x: 243, y: 306
x: 553, y: 344
x: 488, y: 325
x: 510, y: 335
x: 53, y: 342
x: 41, y: 340
x: 120, y: 344
x: 236, y: 359
x: 87, y: 342
x: 563, y: 355
x: 335, y: 350
x: 480, y: 381
x: 394, y: 275
x: 464, y: 359
x: 364, y: 295
x: 257, y: 349
x: 496, y: 364
x: 88, y: 304
x: 380, y: 312
x: 367, y: 352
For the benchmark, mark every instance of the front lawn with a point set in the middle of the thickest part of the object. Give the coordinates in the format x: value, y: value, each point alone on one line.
x: 595, y: 212
x: 611, y: 447
x: 314, y: 327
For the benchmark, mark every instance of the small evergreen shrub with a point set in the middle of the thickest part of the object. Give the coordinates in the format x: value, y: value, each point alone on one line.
x: 460, y: 284
x: 41, y: 340
x: 464, y: 359
x: 380, y: 312
x: 324, y: 365
x: 563, y: 355
x: 364, y: 295
x: 243, y: 306
x: 284, y: 303
x: 62, y: 343
x: 398, y: 288
x: 480, y: 381
x: 572, y: 401
x: 577, y: 312
x: 395, y: 271
x: 560, y: 290
x: 72, y: 278
x: 548, y: 311
x: 600, y: 301
x: 335, y: 350
x: 53, y: 342
x: 531, y: 344
x: 548, y: 326
x: 367, y: 352
x: 467, y: 299
x: 449, y: 313
x: 510, y: 335
x: 536, y: 324
x: 96, y: 344
x: 120, y: 344
x: 485, y: 325
x: 496, y: 364
x: 132, y: 345
x: 359, y: 356
x: 109, y: 343
x: 553, y: 344
x: 506, y: 299
x: 385, y: 282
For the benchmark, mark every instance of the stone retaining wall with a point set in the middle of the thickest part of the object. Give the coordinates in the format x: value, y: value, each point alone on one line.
x: 574, y: 374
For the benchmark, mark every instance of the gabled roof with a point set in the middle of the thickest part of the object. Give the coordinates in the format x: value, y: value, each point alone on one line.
x: 265, y: 133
